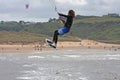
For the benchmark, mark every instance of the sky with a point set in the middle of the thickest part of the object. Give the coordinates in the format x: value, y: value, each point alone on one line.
x: 42, y: 10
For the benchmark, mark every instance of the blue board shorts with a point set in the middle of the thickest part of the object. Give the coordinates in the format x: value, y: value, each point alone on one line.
x: 63, y: 30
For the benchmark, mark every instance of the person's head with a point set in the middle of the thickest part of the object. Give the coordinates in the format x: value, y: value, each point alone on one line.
x: 71, y: 13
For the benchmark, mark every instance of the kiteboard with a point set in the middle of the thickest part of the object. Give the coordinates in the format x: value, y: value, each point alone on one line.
x: 49, y: 43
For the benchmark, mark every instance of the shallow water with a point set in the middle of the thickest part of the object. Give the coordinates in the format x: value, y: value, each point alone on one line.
x: 61, y: 65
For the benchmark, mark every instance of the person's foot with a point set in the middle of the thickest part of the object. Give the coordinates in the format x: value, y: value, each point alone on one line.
x: 53, y: 45
x: 50, y: 42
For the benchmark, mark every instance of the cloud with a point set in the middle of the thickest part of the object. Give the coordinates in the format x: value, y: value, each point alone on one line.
x: 72, y: 2
x: 15, y: 10
x: 100, y: 7
x: 44, y: 9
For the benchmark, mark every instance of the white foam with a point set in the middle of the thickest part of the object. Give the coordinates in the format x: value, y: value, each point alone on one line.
x: 55, y: 56
x: 69, y: 75
x: 72, y: 56
x: 31, y: 57
x: 29, y: 72
x: 28, y: 78
x: 69, y: 50
x: 94, y: 57
x: 25, y: 78
x: 113, y: 57
x: 27, y: 65
x: 82, y: 78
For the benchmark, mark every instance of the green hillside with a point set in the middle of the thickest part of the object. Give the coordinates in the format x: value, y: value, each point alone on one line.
x: 102, y: 29
x: 105, y: 29
x: 18, y: 37
x: 98, y: 20
x: 8, y: 36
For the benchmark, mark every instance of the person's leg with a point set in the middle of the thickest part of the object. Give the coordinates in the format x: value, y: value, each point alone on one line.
x: 55, y: 37
x: 61, y: 31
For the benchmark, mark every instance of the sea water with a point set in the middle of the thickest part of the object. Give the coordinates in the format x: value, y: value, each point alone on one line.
x: 61, y: 65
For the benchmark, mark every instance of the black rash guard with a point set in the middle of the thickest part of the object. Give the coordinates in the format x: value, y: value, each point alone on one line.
x: 69, y: 20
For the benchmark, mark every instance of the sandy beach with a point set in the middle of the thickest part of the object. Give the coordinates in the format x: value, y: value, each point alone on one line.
x: 83, y: 60
x: 38, y: 46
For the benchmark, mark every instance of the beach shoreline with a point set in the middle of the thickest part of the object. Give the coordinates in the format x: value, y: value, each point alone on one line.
x: 62, y: 45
